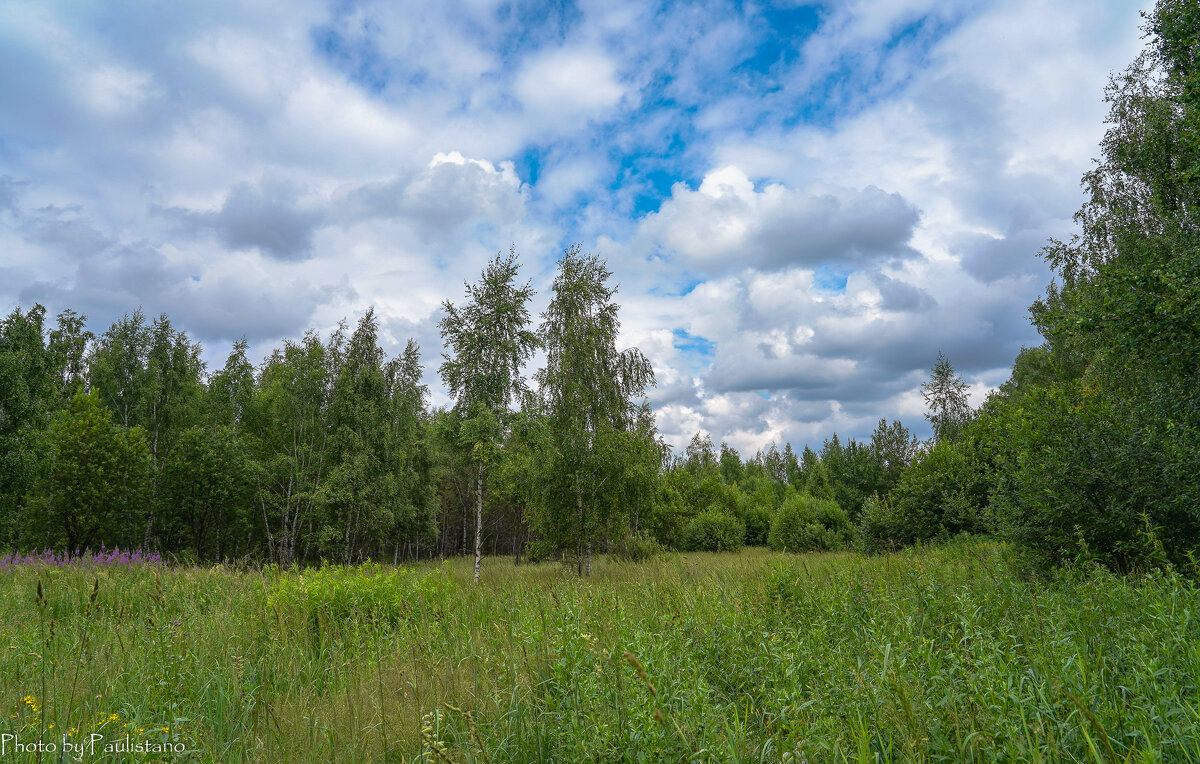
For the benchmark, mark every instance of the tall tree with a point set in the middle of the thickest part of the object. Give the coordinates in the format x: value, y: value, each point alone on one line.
x: 489, y: 342
x: 230, y: 391
x: 895, y: 448
x: 206, y: 484
x: 289, y: 432
x: 116, y: 367
x: 26, y: 371
x: 699, y: 456
x: 148, y: 375
x: 945, y: 394
x: 731, y: 464
x: 95, y: 480
x: 68, y: 344
x: 360, y: 491
x: 1109, y: 459
x: 588, y: 387
x: 407, y: 452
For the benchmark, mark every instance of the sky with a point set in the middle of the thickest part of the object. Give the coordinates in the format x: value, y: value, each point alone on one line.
x: 802, y: 203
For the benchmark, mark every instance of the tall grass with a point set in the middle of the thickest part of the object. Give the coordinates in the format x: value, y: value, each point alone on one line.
x: 957, y: 653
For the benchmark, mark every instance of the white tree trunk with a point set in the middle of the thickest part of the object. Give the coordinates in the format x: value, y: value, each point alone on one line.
x: 478, y: 519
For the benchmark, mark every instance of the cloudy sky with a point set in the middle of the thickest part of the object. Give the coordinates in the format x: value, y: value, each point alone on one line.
x: 802, y: 202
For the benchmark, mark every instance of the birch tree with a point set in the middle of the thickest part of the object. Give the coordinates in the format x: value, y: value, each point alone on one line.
x: 588, y: 389
x: 489, y: 343
x: 946, y: 395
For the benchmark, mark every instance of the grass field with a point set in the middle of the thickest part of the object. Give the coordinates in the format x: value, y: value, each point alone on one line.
x: 943, y: 654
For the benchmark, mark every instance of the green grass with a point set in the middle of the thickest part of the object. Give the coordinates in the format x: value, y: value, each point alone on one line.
x: 957, y: 653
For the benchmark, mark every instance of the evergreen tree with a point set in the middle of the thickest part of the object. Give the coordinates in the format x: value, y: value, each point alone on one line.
x: 730, y: 464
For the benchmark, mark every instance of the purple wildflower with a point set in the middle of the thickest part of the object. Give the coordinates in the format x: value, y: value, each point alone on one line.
x: 85, y: 558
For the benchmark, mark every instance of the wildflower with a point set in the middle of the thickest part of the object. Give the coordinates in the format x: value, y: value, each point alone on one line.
x: 113, y: 717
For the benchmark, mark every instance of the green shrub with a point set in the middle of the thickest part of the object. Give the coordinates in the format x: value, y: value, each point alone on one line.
x: 667, y: 517
x: 830, y: 516
x: 714, y: 531
x: 1093, y: 481
x: 880, y: 529
x: 944, y: 493
x: 787, y: 527
x: 757, y: 519
x: 634, y: 547
x: 805, y: 523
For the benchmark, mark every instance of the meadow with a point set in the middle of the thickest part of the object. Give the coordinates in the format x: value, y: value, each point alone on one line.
x: 961, y: 652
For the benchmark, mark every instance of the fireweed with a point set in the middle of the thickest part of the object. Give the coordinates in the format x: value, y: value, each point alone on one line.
x: 115, y: 557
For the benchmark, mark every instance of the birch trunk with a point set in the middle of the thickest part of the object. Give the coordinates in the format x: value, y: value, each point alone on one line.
x: 478, y: 519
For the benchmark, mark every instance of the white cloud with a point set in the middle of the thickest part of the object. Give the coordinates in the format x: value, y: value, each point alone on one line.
x: 726, y: 223
x: 568, y: 84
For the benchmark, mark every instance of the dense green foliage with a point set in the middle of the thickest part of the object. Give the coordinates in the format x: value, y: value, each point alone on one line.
x: 805, y: 523
x: 714, y: 531
x: 1114, y: 444
x: 957, y: 653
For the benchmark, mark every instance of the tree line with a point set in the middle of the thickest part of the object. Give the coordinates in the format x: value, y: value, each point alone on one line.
x: 329, y: 450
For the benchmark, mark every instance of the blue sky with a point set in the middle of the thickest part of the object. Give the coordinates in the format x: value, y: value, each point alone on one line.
x: 803, y: 202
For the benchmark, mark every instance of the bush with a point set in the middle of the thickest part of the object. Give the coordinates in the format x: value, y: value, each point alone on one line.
x: 805, y: 523
x: 787, y: 529
x: 635, y: 547
x: 833, y: 518
x: 944, y: 494
x: 880, y: 529
x: 1095, y: 480
x: 668, y: 516
x: 758, y: 524
x: 714, y: 531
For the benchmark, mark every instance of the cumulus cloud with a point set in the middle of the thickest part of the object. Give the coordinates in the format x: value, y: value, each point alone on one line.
x: 450, y: 194
x: 568, y: 83
x: 728, y: 223
x: 263, y: 216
